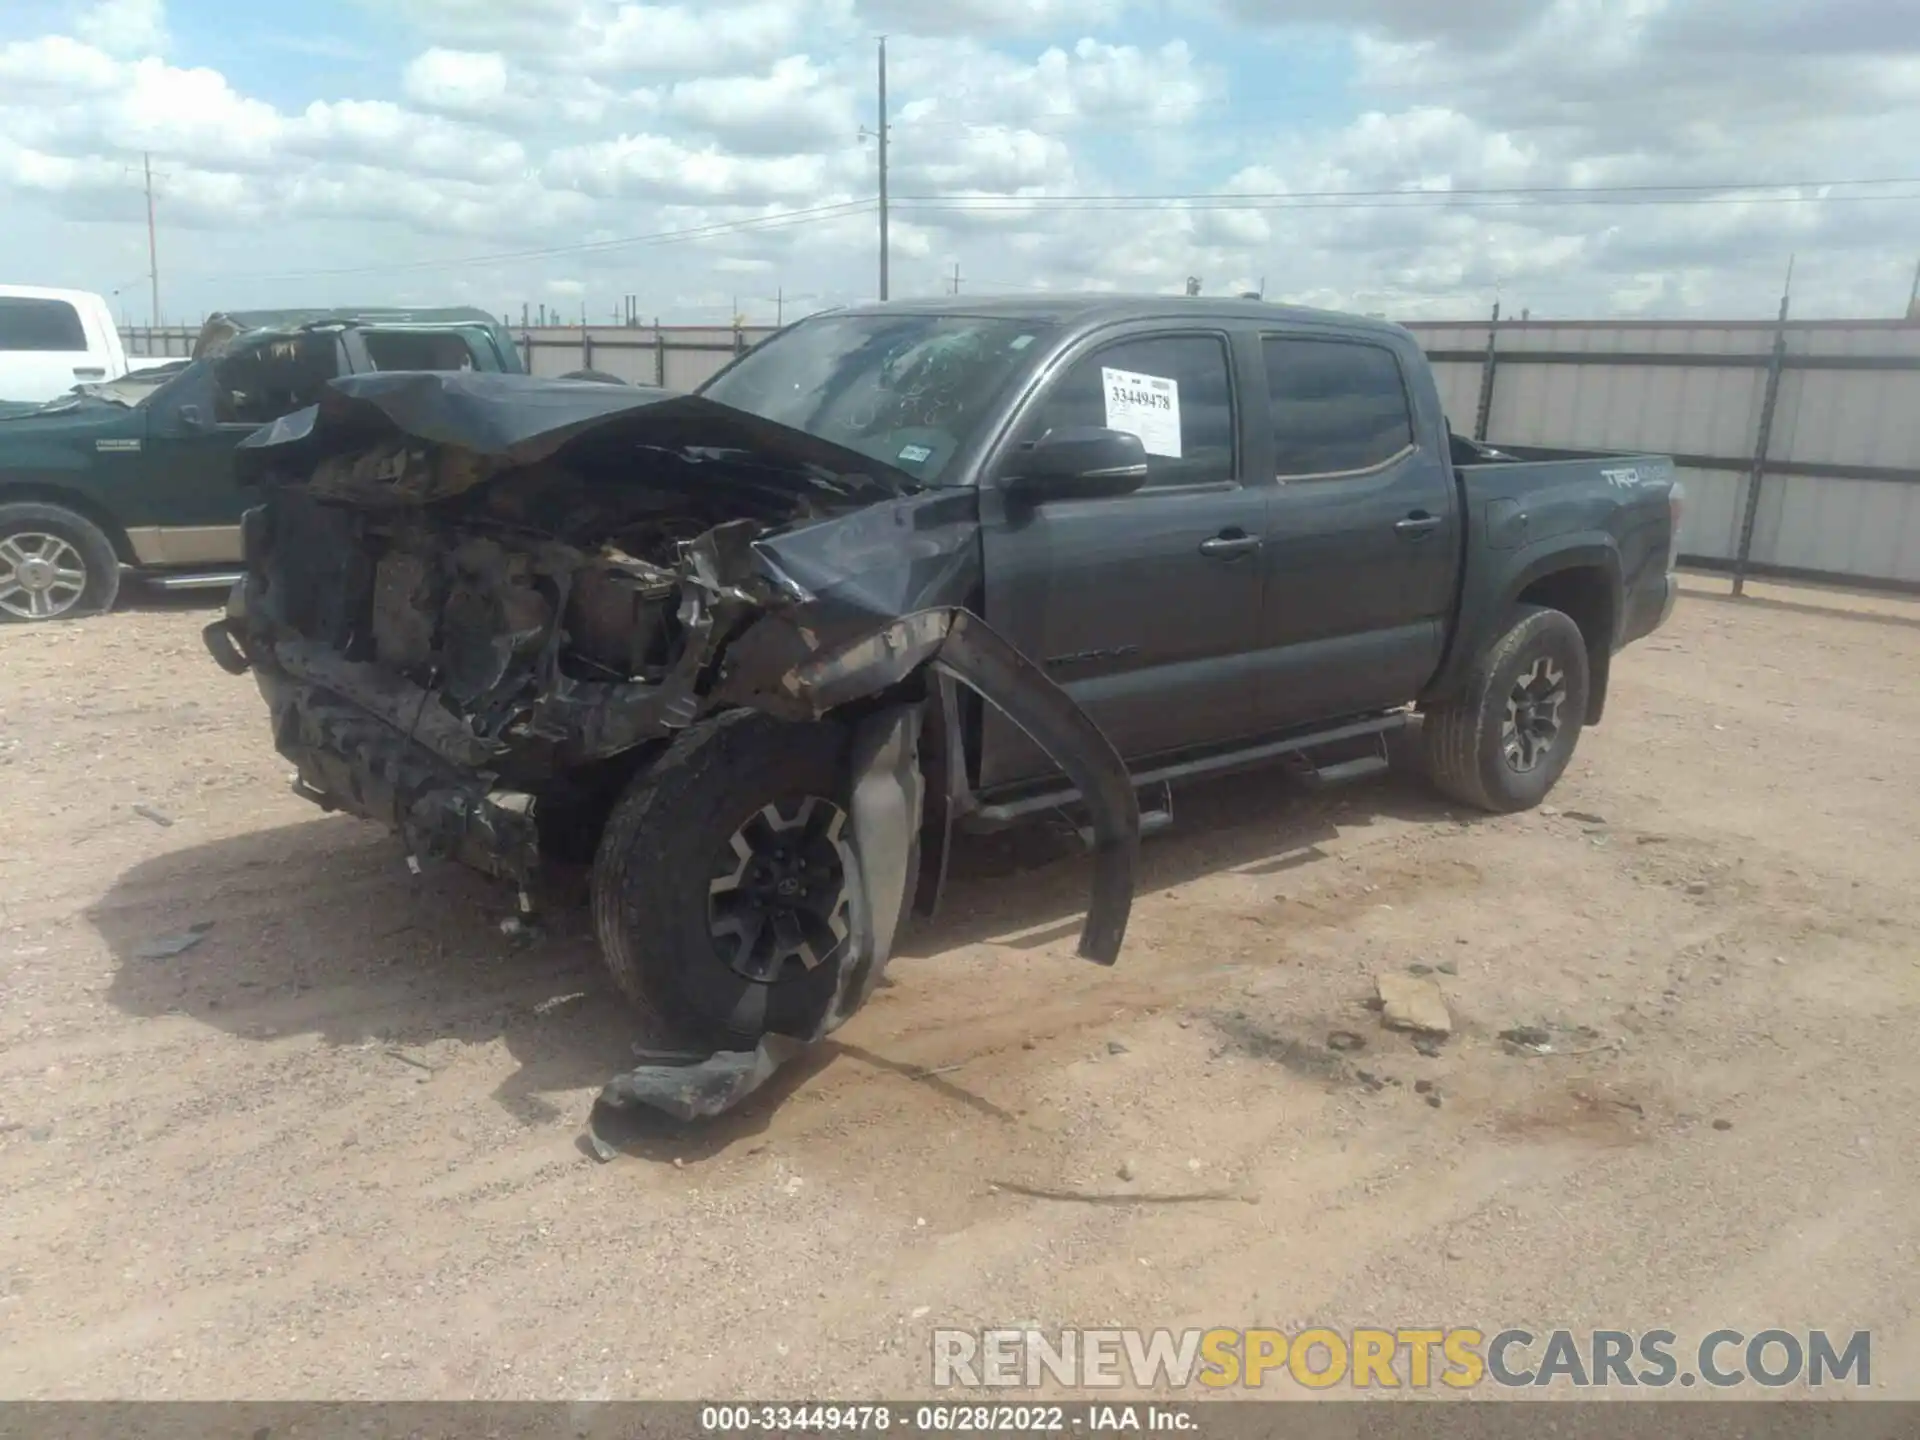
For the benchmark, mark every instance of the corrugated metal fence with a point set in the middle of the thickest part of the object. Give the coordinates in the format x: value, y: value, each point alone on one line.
x: 1799, y: 443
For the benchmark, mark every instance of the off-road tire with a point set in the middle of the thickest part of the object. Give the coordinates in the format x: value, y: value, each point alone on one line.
x: 655, y: 861
x: 96, y: 553
x: 1463, y: 738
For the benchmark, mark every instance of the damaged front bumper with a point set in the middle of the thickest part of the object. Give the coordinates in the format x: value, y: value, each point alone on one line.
x: 473, y: 604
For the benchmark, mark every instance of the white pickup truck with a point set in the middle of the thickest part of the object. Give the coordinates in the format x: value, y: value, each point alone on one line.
x: 53, y: 340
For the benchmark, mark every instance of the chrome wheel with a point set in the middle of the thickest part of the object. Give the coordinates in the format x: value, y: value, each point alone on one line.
x: 42, y: 576
x: 1533, y: 716
x: 778, y: 893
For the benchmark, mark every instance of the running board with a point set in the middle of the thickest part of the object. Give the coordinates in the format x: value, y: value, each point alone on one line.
x: 212, y: 580
x: 993, y: 817
x: 1322, y: 777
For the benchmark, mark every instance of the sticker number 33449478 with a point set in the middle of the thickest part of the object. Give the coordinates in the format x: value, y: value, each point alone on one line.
x: 1144, y: 405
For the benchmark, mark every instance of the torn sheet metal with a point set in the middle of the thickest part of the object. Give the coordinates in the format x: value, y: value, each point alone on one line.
x: 694, y: 1087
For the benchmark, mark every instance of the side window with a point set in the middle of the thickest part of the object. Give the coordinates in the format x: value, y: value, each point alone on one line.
x: 418, y: 350
x: 1337, y: 405
x: 1174, y: 391
x: 40, y: 325
x: 258, y: 385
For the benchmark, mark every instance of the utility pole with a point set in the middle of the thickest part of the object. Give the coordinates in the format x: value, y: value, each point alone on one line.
x: 956, y: 277
x: 780, y: 308
x: 884, y: 127
x: 1913, y: 296
x: 153, y: 247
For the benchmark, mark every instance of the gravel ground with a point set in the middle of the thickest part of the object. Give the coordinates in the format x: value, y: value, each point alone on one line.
x: 333, y: 1149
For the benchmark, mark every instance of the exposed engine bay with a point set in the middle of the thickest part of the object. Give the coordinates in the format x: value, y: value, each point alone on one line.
x: 482, y: 608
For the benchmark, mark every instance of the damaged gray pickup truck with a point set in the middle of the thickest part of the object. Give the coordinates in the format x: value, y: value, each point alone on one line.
x: 733, y: 649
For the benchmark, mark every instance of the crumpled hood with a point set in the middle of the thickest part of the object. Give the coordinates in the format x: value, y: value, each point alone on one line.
x: 514, y: 420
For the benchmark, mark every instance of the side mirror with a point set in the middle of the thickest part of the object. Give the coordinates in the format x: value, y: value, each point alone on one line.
x: 1079, y: 462
x: 193, y: 417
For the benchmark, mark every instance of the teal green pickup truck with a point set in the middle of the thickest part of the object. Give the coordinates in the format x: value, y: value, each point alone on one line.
x: 136, y: 476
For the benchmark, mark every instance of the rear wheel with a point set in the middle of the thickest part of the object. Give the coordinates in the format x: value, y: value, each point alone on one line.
x: 723, y: 889
x: 54, y: 564
x: 1506, y: 739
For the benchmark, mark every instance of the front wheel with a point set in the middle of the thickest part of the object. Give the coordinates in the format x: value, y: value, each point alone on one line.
x: 725, y: 883
x: 54, y: 564
x: 1505, y: 740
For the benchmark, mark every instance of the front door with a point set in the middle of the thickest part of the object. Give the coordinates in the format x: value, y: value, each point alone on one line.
x: 1144, y: 607
x: 189, y: 493
x: 1363, y: 543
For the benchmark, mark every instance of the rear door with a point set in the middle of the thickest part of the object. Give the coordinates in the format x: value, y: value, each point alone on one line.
x: 1144, y: 607
x: 43, y: 349
x: 1362, y: 548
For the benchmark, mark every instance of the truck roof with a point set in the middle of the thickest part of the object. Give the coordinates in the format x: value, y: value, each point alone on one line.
x: 1105, y: 309
x: 223, y: 327
x: 246, y: 320
x: 42, y: 292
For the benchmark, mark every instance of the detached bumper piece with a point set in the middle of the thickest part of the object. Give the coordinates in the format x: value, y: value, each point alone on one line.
x: 350, y: 761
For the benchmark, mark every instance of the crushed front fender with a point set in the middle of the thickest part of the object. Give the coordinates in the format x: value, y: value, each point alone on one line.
x: 887, y: 799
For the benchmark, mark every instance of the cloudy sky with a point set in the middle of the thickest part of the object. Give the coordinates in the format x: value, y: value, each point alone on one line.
x: 1604, y: 157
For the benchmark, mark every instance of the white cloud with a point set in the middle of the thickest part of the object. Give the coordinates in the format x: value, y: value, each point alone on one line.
x: 661, y: 167
x: 377, y: 132
x: 460, y: 81
x: 124, y: 27
x: 794, y: 107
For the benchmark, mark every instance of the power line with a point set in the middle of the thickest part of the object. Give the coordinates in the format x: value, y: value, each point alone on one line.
x: 1207, y: 203
x: 1402, y: 193
x: 778, y: 221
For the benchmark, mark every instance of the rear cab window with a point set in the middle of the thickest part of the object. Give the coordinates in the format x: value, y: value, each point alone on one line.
x: 1174, y: 391
x: 424, y: 350
x: 46, y: 326
x: 1337, y: 406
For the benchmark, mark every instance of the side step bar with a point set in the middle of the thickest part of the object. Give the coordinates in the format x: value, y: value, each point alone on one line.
x: 993, y: 817
x: 212, y: 580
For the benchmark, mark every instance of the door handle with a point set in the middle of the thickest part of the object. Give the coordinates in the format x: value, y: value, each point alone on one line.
x: 1418, y: 524
x: 1226, y: 547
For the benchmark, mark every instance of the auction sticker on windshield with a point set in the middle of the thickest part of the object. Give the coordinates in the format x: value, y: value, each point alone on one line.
x: 1147, y: 406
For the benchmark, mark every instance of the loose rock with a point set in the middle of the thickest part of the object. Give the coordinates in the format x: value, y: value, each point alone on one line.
x: 1114, y: 1047
x: 1723, y: 1124
x: 165, y: 947
x: 1345, y: 1041
x: 1411, y: 1003
x: 1423, y: 1087
x: 1447, y: 967
x: 1128, y: 1169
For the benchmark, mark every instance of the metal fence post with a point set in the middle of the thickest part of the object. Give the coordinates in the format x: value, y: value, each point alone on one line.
x: 586, y: 348
x: 526, y: 350
x: 659, y: 355
x: 1487, y: 369
x: 1775, y: 364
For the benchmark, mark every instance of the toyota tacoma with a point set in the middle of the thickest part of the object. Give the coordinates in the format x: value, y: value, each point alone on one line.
x: 755, y: 653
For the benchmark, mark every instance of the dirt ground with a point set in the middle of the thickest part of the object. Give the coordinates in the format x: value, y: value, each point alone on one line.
x: 334, y: 1149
